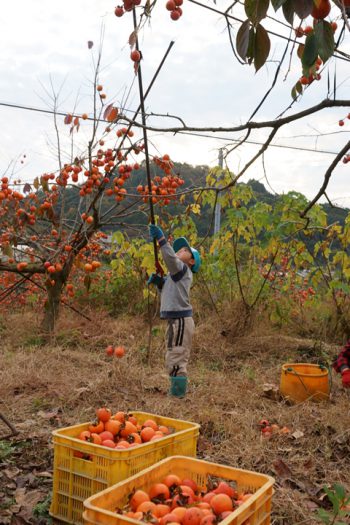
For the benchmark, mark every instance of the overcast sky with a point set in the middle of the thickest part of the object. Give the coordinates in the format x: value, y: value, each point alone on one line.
x: 44, y: 50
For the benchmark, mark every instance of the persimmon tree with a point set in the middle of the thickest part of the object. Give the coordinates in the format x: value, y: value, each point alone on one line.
x: 43, y: 239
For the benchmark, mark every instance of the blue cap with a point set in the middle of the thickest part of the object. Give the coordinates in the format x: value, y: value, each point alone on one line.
x: 182, y: 242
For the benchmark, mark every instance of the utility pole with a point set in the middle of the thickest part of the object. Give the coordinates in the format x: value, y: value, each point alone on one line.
x: 217, y: 216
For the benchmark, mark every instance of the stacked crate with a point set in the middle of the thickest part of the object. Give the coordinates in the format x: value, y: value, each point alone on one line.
x: 82, y: 469
x: 100, y: 509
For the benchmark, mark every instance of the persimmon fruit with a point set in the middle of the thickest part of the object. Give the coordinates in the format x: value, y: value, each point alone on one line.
x: 96, y: 427
x: 150, y: 423
x: 137, y: 498
x: 159, y: 491
x: 172, y: 480
x: 146, y: 434
x: 221, y: 503
x: 147, y: 506
x: 113, y: 426
x: 119, y: 351
x: 103, y: 414
x: 193, y: 516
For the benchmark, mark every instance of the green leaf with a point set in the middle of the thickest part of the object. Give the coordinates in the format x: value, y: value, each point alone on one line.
x: 303, y: 8
x: 242, y: 39
x: 276, y: 4
x: 300, y: 50
x: 44, y: 184
x: 288, y: 11
x: 256, y: 9
x: 36, y: 183
x: 262, y: 47
x: 299, y: 87
x: 294, y: 93
x: 324, y: 516
x: 325, y: 39
x: 339, y: 491
x: 87, y: 282
x: 118, y: 237
x: 7, y: 250
x: 310, y: 52
x: 297, y: 90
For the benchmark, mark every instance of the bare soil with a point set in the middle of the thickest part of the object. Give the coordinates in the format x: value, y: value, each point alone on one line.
x: 43, y: 387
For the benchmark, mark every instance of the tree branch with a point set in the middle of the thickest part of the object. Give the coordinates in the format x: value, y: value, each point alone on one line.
x: 276, y: 123
x: 327, y: 176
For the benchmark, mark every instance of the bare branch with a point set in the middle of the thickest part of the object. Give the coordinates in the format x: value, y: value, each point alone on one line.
x: 327, y: 177
x: 277, y: 123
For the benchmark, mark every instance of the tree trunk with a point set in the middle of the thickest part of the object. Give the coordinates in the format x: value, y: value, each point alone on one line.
x: 52, y: 306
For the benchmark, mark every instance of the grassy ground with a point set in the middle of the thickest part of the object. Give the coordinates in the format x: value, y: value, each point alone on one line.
x: 62, y: 383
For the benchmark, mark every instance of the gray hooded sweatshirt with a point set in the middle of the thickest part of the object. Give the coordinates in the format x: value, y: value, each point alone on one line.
x: 175, y: 294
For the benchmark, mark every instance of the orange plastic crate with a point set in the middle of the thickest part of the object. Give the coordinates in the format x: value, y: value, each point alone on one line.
x: 75, y: 479
x: 256, y: 510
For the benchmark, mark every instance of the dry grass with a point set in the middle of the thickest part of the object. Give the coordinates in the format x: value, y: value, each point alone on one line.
x: 227, y: 375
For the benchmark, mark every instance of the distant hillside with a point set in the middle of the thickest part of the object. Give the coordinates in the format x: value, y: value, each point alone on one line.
x: 333, y: 214
x: 193, y: 176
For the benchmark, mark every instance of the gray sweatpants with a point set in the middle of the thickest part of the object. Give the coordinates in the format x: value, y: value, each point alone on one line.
x: 178, y: 336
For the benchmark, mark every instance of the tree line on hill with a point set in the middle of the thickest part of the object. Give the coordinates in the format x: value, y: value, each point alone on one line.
x: 194, y: 177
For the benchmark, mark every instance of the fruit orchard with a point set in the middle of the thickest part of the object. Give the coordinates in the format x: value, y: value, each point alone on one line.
x: 79, y: 325
x: 51, y: 248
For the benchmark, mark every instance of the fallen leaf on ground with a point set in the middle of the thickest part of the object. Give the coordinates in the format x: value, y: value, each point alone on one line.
x: 48, y: 415
x: 44, y: 474
x: 311, y: 505
x: 281, y: 468
x: 11, y: 473
x: 27, y: 501
x: 271, y: 391
x: 298, y: 434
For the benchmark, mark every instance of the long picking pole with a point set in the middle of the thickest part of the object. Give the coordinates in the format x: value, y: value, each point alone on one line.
x: 143, y: 118
x: 147, y: 91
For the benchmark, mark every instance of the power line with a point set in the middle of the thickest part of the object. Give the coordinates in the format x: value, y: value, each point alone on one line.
x: 258, y: 143
x: 39, y: 110
x: 191, y: 133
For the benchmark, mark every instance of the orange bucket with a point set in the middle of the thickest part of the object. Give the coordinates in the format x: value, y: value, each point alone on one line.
x: 302, y: 381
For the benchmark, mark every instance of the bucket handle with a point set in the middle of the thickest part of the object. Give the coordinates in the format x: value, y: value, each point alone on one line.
x: 322, y: 367
x: 298, y: 376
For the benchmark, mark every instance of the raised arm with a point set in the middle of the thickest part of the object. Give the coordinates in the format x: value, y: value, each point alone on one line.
x: 173, y: 263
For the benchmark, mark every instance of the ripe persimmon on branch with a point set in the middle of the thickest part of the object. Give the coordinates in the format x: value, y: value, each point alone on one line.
x: 42, y: 235
x: 310, y: 29
x: 275, y: 125
x: 253, y: 39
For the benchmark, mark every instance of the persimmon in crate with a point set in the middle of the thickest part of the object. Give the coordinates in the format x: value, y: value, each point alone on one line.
x: 122, y: 430
x: 184, y: 491
x: 83, y: 468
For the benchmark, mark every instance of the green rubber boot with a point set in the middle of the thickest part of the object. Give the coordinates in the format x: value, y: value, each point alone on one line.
x: 178, y: 386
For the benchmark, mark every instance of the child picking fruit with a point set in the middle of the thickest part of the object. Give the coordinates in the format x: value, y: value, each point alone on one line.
x: 181, y: 261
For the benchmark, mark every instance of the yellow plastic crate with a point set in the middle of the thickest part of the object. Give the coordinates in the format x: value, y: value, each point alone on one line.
x: 75, y: 479
x: 256, y: 510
